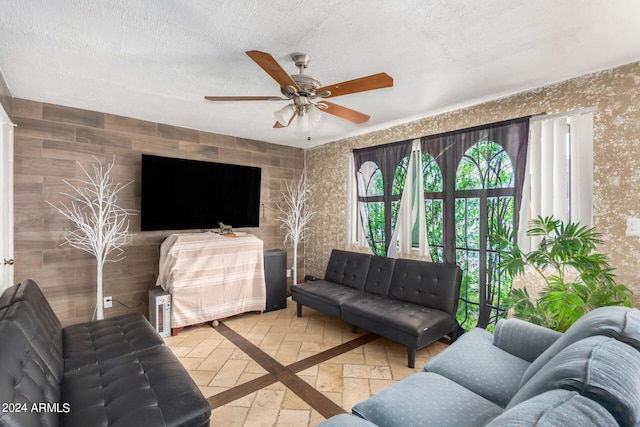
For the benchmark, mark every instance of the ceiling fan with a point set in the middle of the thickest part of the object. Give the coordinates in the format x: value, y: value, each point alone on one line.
x: 304, y: 90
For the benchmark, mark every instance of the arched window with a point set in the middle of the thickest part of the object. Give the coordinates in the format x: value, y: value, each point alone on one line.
x: 485, y: 165
x: 484, y: 198
x: 467, y: 181
x: 473, y: 180
x: 381, y: 176
x: 433, y: 205
x: 399, y: 178
x: 370, y: 183
x: 371, y: 179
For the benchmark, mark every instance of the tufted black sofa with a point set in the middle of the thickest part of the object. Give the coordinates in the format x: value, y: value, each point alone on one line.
x: 111, y: 372
x: 407, y: 301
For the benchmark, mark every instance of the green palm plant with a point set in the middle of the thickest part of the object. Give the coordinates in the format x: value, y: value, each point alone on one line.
x: 577, y: 279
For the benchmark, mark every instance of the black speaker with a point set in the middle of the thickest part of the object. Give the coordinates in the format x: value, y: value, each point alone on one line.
x: 275, y: 277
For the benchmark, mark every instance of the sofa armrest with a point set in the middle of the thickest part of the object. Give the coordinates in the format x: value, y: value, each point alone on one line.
x: 523, y: 339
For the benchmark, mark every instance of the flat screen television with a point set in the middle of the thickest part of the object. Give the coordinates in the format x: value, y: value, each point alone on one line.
x: 180, y: 194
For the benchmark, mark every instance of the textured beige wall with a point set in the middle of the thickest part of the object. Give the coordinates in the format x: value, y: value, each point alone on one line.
x: 616, y: 95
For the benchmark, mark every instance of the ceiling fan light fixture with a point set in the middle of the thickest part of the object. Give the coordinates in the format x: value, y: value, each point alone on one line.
x: 283, y: 115
x: 315, y: 116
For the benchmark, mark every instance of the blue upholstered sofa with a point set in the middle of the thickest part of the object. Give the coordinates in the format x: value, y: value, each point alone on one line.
x: 522, y: 375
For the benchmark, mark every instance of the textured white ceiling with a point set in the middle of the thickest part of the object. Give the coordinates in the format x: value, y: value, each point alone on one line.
x: 156, y: 59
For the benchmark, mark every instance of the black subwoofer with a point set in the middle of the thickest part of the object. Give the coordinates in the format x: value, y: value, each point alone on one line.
x: 275, y: 277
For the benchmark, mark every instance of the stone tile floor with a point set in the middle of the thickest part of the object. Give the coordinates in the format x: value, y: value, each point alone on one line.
x: 276, y: 369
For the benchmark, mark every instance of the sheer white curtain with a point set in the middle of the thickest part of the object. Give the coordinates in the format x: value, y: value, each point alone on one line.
x: 559, y: 172
x: 355, y: 230
x: 411, y: 209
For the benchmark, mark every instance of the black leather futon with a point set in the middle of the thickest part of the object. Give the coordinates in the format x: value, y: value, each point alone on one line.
x: 111, y: 372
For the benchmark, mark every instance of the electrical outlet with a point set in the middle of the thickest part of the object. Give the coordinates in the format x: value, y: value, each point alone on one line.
x: 108, y: 302
x: 288, y: 272
x: 633, y: 226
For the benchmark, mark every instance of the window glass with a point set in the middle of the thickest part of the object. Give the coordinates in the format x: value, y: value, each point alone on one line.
x: 468, y: 187
x: 433, y: 206
x: 400, y: 176
x: 485, y: 165
x: 483, y: 174
x: 370, y: 177
x: 370, y: 180
x: 435, y: 231
x: 432, y: 176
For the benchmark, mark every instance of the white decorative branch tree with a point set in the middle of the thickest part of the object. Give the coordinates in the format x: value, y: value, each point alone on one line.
x: 101, y: 225
x: 296, y: 216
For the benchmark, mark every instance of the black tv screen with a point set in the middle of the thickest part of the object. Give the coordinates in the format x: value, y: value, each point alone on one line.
x: 180, y: 194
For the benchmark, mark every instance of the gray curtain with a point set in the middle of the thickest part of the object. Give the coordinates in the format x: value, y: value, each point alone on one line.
x: 387, y: 157
x: 448, y: 150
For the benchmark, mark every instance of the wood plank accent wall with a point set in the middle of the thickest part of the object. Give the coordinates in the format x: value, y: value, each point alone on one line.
x: 50, y: 141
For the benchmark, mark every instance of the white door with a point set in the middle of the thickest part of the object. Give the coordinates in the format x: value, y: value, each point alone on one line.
x: 6, y: 201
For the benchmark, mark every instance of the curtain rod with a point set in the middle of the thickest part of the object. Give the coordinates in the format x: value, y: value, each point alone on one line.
x: 476, y: 128
x: 545, y: 116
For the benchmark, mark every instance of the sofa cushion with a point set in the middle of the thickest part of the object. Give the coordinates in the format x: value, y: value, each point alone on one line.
x: 30, y: 293
x: 325, y: 292
x: 88, y: 343
x: 409, y: 318
x: 149, y: 388
x: 621, y: 323
x: 345, y: 420
x: 429, y: 284
x: 601, y: 368
x: 348, y: 268
x: 556, y: 408
x: 478, y: 365
x: 427, y: 399
x: 7, y: 297
x: 379, y: 275
x: 41, y: 330
x: 24, y: 379
x: 523, y: 339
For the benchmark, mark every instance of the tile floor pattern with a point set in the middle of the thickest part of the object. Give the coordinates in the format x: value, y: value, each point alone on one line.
x: 276, y: 369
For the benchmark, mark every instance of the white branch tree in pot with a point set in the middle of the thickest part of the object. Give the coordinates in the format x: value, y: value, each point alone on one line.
x: 101, y: 225
x: 295, y: 216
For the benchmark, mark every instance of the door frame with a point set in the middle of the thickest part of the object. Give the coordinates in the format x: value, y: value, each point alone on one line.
x: 6, y: 201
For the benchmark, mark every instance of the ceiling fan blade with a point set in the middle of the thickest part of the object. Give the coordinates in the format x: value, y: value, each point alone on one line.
x: 343, y: 112
x: 271, y: 67
x: 375, y: 81
x: 244, y: 98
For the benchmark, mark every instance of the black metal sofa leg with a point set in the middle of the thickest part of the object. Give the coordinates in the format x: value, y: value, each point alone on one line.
x: 411, y: 355
x: 456, y: 334
x: 299, y: 309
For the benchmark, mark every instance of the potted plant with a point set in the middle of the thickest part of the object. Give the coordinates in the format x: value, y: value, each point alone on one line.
x: 577, y: 279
